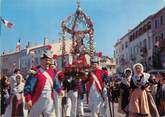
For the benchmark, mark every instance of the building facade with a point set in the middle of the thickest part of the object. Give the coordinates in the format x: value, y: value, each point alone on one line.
x: 121, y: 53
x: 138, y: 45
x: 109, y: 63
x: 9, y: 62
x: 158, y: 26
x: 28, y: 57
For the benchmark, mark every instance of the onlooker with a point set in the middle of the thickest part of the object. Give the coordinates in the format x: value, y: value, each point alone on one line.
x: 160, y: 95
x: 13, y: 79
x: 152, y: 105
x: 125, y: 92
x: 17, y: 99
x: 4, y: 93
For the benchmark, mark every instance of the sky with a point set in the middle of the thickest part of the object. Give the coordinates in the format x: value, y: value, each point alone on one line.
x: 35, y: 19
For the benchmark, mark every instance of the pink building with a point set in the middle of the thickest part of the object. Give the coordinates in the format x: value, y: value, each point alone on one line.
x: 158, y: 30
x: 29, y: 56
x: 10, y: 61
x: 145, y: 43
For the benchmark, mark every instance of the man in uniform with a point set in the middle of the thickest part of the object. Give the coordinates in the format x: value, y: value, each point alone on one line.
x: 95, y: 88
x: 38, y: 90
x: 70, y: 86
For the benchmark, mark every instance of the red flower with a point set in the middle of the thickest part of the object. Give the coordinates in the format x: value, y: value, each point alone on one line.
x: 80, y: 62
x: 69, y: 66
x: 55, y: 56
x: 61, y: 75
x: 75, y: 62
x: 100, y: 54
x: 105, y: 72
x: 88, y: 66
x: 82, y: 58
x: 49, y: 47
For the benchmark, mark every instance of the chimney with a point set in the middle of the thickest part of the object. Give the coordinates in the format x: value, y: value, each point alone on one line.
x: 129, y: 30
x: 45, y: 40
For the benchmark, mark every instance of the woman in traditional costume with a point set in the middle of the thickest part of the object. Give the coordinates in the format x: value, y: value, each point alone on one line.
x: 5, y: 84
x: 125, y: 92
x: 138, y: 105
x: 18, y: 99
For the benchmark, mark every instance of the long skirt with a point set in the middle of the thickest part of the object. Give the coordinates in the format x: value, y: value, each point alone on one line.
x: 160, y: 99
x: 11, y: 111
x: 17, y: 107
x: 139, y: 102
x: 152, y: 106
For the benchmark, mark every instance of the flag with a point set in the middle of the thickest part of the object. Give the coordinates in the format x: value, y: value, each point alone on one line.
x: 157, y: 44
x: 7, y: 23
x: 18, y: 45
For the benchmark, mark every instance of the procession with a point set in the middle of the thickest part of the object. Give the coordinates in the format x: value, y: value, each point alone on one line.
x: 71, y: 78
x: 51, y: 93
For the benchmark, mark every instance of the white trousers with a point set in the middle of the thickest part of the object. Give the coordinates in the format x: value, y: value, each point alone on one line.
x: 71, y: 103
x: 95, y: 106
x: 105, y: 110
x: 96, y: 102
x: 58, y: 104
x: 80, y: 107
x: 44, y: 106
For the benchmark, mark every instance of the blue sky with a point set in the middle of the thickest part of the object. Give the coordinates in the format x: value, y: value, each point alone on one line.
x: 34, y: 19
